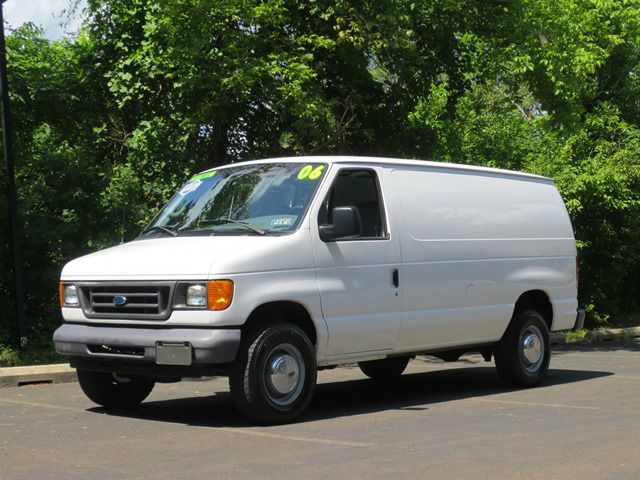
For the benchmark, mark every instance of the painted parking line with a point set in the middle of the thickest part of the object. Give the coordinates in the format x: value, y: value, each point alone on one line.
x: 277, y: 436
x: 625, y: 377
x: 531, y: 404
x: 235, y: 431
x: 42, y: 405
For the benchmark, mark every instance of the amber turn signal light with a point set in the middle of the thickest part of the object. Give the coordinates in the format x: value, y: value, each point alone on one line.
x: 219, y: 294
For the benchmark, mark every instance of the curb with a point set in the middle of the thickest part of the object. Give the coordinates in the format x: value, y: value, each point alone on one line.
x: 610, y: 334
x: 36, y: 374
x: 596, y: 336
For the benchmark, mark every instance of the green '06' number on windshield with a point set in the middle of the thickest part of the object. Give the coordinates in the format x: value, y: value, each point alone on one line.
x: 309, y: 172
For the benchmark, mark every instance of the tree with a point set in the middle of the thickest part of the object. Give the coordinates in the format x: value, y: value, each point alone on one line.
x: 111, y: 122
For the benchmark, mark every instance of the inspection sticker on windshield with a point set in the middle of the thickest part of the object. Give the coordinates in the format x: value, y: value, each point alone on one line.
x: 202, y: 176
x: 310, y: 172
x: 278, y: 222
x: 190, y: 187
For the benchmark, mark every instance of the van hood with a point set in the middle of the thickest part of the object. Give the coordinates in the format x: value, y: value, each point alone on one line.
x: 168, y: 258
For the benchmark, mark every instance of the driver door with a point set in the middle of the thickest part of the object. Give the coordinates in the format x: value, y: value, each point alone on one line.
x: 357, y: 277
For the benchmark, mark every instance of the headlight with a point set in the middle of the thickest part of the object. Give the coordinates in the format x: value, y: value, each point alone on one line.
x: 69, y: 296
x: 196, y: 296
x: 212, y: 295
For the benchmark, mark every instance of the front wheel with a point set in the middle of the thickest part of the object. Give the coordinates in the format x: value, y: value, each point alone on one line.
x: 274, y: 375
x: 522, y: 355
x: 114, y: 391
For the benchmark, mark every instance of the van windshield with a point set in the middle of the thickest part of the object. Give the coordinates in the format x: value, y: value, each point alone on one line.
x: 244, y: 200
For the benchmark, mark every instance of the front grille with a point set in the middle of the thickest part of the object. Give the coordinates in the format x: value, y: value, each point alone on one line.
x: 134, y: 300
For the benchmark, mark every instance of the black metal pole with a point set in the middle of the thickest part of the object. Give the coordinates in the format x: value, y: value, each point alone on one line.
x: 14, y: 246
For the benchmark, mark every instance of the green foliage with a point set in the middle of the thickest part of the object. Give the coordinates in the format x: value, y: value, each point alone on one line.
x: 110, y: 123
x: 597, y: 169
x: 40, y: 351
x: 577, y: 336
x: 58, y: 170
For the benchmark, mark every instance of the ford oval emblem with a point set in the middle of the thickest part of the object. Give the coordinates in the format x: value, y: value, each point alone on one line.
x: 119, y: 300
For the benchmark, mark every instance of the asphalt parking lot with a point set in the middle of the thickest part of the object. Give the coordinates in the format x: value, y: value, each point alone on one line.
x: 452, y: 421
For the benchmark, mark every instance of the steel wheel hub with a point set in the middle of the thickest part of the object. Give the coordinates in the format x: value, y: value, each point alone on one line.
x: 283, y: 372
x: 284, y: 375
x: 532, y: 348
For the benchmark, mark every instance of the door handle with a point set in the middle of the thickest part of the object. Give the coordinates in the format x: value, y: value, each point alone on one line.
x: 395, y: 277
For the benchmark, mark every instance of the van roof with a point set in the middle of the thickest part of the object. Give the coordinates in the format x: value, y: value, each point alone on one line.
x: 338, y: 159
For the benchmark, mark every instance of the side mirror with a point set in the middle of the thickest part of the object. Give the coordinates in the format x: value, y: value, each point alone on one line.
x: 346, y: 224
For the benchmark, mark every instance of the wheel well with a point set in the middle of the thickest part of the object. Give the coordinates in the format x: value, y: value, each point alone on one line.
x: 291, y: 312
x: 535, y: 300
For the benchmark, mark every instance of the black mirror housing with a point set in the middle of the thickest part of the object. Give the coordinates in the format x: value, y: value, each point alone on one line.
x: 346, y: 224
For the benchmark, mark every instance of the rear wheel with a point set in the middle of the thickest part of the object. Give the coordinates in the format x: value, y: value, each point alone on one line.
x: 274, y: 375
x: 114, y: 391
x: 522, y: 355
x: 385, y: 369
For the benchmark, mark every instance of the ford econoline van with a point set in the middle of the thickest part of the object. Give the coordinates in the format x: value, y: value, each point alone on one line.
x: 270, y: 270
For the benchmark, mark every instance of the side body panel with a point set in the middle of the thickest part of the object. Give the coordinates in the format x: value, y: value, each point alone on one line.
x: 472, y: 243
x: 282, y: 271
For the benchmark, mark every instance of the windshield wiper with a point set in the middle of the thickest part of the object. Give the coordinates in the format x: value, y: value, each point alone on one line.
x: 170, y: 229
x: 223, y: 220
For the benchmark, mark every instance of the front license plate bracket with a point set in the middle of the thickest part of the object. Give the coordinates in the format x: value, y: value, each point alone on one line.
x: 174, y: 353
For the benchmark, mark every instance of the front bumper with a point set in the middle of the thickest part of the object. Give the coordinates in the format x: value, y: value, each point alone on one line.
x: 137, y: 346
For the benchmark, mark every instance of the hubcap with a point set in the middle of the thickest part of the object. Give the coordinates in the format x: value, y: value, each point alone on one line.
x: 284, y: 375
x: 532, y: 348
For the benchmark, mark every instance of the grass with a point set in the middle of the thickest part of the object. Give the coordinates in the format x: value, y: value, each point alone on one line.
x: 577, y: 336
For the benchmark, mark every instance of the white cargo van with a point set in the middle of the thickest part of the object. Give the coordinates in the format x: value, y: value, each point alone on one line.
x: 267, y: 271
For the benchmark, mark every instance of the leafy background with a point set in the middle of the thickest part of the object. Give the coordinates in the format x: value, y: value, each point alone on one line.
x: 110, y: 122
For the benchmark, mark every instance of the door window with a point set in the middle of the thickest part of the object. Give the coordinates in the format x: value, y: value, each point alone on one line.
x: 357, y: 188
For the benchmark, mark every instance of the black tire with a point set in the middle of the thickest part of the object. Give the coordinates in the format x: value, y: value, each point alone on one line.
x: 522, y: 355
x: 386, y: 369
x: 274, y: 375
x: 114, y: 391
